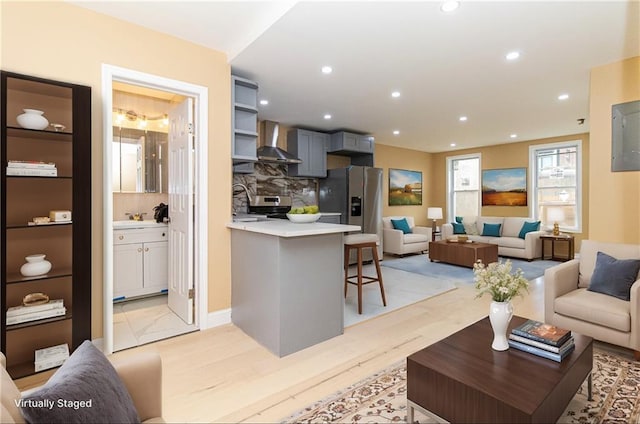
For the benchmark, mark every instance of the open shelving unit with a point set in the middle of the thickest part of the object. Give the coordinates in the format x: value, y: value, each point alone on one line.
x: 244, y: 119
x: 66, y: 245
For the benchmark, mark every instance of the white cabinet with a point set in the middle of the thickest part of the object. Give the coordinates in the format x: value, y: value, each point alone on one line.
x: 140, y: 259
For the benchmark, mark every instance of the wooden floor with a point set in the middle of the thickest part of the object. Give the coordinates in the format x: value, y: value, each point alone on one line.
x: 222, y: 375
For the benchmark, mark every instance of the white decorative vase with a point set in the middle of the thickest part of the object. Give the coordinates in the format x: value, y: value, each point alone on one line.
x: 36, y: 265
x: 32, y: 119
x: 500, y: 314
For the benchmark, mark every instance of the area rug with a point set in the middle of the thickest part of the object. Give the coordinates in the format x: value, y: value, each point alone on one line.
x: 420, y: 264
x: 401, y: 289
x: 381, y: 398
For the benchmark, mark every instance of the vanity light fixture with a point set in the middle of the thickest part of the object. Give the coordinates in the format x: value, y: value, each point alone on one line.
x: 563, y: 96
x: 143, y: 122
x: 264, y: 102
x: 512, y: 55
x: 327, y: 70
x: 449, y: 6
x: 395, y: 94
x: 396, y: 132
x: 327, y: 116
x: 165, y: 120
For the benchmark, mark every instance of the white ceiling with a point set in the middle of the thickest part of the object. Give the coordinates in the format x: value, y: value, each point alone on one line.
x: 444, y: 65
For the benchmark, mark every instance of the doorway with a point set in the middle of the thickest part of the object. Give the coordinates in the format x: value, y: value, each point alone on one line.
x: 193, y: 235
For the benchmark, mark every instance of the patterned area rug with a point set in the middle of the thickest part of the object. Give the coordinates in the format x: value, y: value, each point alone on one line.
x: 381, y: 398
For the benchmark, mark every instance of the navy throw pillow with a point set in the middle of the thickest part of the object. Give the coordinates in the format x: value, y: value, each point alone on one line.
x: 401, y: 224
x: 458, y: 228
x: 491, y: 230
x: 528, y: 227
x: 614, y: 277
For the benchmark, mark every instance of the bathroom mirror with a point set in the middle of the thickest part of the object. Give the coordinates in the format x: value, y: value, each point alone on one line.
x: 139, y: 161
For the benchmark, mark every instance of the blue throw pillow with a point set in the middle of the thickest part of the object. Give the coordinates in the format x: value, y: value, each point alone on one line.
x: 491, y: 230
x: 528, y: 227
x: 614, y: 277
x: 401, y: 224
x: 459, y: 219
x: 458, y: 228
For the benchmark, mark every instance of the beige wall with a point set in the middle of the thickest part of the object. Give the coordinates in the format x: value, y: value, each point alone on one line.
x: 59, y: 41
x: 615, y: 196
x: 512, y: 155
x: 394, y: 157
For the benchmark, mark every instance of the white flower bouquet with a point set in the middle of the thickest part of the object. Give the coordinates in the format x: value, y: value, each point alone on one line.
x: 497, y: 280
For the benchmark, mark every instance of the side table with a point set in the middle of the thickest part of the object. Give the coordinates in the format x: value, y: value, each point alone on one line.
x: 564, y: 238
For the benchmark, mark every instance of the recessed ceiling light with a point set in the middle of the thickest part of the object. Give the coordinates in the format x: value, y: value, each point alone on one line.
x: 463, y: 118
x: 327, y: 116
x: 396, y: 132
x: 563, y: 96
x: 264, y: 102
x: 327, y: 69
x: 452, y: 144
x: 513, y: 135
x: 395, y: 94
x: 512, y: 55
x: 449, y: 6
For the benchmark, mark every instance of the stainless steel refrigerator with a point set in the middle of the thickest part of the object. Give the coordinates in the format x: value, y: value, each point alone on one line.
x: 355, y: 192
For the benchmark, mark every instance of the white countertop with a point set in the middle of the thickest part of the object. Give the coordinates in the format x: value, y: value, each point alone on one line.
x: 131, y: 224
x: 330, y: 213
x: 286, y: 228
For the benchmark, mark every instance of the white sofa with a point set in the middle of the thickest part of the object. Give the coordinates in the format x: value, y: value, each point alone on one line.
x: 568, y: 303
x: 509, y: 244
x: 398, y: 243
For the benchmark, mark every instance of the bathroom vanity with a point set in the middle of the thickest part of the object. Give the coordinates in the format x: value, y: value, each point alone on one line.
x: 140, y: 258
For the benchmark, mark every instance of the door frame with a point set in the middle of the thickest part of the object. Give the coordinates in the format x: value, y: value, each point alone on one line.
x: 200, y: 94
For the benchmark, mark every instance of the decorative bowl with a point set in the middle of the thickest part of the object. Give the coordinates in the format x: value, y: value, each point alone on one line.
x: 32, y: 119
x: 462, y: 239
x: 303, y: 218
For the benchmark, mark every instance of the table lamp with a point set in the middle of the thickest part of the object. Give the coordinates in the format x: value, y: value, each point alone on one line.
x: 555, y: 215
x: 434, y: 213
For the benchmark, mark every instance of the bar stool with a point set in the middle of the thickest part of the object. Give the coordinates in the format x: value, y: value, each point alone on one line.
x: 359, y: 242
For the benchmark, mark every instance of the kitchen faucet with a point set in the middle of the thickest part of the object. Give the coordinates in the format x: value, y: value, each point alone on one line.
x: 245, y: 190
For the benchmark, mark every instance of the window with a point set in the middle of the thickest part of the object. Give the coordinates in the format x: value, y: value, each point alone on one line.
x: 556, y: 184
x: 463, y: 186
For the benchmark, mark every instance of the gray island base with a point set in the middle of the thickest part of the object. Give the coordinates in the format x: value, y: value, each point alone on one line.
x: 287, y: 282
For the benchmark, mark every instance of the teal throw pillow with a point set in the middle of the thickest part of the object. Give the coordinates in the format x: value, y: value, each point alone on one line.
x: 459, y: 219
x: 614, y: 277
x: 401, y: 224
x: 458, y: 228
x: 528, y: 227
x: 491, y: 230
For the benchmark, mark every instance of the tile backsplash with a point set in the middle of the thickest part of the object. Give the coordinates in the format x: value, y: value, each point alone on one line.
x: 272, y: 179
x: 136, y: 203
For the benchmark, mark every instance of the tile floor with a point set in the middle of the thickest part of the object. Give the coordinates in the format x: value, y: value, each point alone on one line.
x: 141, y: 321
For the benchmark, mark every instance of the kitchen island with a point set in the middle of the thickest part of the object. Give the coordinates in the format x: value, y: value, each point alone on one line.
x: 287, y: 284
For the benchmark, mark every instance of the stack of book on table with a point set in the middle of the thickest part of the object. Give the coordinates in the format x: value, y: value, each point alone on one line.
x: 545, y: 340
x: 51, y: 357
x: 32, y: 168
x: 19, y: 314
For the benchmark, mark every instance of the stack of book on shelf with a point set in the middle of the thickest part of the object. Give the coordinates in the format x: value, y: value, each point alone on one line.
x: 51, y: 357
x: 32, y: 168
x: 20, y: 314
x: 545, y: 340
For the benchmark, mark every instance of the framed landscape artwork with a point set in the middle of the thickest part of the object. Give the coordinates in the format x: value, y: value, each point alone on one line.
x: 405, y: 187
x: 504, y: 187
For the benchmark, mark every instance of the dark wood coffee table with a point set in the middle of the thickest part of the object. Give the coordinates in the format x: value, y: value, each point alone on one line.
x: 461, y: 379
x: 463, y: 254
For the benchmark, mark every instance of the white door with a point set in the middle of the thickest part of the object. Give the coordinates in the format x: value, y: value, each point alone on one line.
x: 181, y: 296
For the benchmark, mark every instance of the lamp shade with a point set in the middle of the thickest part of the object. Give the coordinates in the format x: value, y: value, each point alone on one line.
x: 434, y: 213
x: 555, y: 214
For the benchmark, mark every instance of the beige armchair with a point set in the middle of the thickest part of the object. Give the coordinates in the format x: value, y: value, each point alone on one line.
x: 140, y: 373
x: 396, y: 242
x: 568, y: 303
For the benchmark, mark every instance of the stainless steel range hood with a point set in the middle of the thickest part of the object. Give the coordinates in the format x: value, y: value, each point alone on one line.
x: 268, y: 150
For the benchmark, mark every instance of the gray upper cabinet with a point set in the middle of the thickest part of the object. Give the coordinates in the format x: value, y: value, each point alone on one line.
x: 345, y: 142
x: 311, y: 148
x: 244, y: 121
